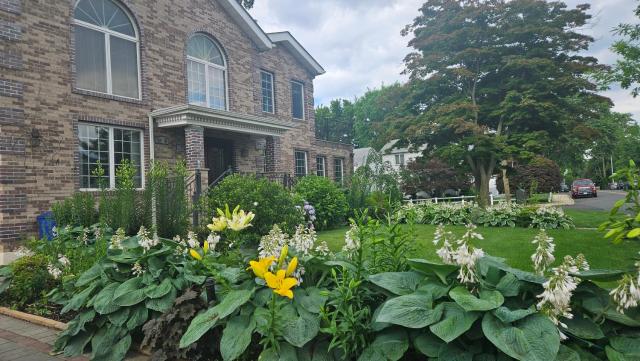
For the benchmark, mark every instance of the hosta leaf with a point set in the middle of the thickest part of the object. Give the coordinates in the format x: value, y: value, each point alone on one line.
x: 534, y: 338
x: 129, y: 293
x: 236, y: 337
x: 389, y: 345
x: 77, y: 325
x: 116, y: 352
x: 583, y: 327
x: 76, y: 344
x: 89, y: 275
x: 450, y: 352
x: 157, y: 291
x: 78, y: 299
x: 428, y: 344
x: 138, y: 316
x: 411, y: 311
x: 455, y: 321
x: 487, y: 300
x: 434, y: 269
x: 301, y: 330
x: 507, y: 316
x: 119, y: 317
x: 310, y: 299
x: 602, y: 275
x: 204, y: 321
x: 399, y: 283
x: 567, y: 354
x: 164, y: 303
x: 629, y: 346
x: 103, y: 303
x: 509, y: 285
x: 284, y: 353
x: 487, y: 261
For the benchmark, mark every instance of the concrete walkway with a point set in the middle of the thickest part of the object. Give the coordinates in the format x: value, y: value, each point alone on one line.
x: 24, y: 341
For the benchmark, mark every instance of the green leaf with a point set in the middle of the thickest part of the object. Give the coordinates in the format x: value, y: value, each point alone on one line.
x: 204, y: 321
x: 74, y: 327
x: 567, y: 354
x: 164, y: 303
x: 488, y: 300
x: 119, y: 317
x: 285, y: 353
x: 507, y: 316
x: 89, y: 275
x: 76, y: 344
x: 634, y: 233
x: 138, y: 317
x: 157, y: 291
x: 454, y: 322
x: 509, y: 285
x: 301, y: 330
x: 487, y: 261
x: 583, y: 327
x: 427, y: 344
x: 534, y: 338
x: 629, y: 346
x: 600, y: 275
x: 442, y: 271
x: 78, y: 299
x: 399, y: 283
x: 411, y: 311
x: 236, y: 337
x: 311, y: 299
x: 129, y: 293
x: 613, y: 355
x: 116, y: 352
x: 103, y: 303
x: 450, y: 352
x: 389, y: 345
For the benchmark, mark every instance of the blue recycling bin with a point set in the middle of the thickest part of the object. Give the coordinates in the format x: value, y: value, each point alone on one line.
x: 45, y: 225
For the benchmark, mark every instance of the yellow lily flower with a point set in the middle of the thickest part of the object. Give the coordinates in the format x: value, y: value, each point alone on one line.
x: 218, y: 224
x: 280, y: 283
x: 206, y: 247
x: 283, y: 255
x: 261, y: 266
x: 240, y: 220
x: 292, y: 266
x: 195, y: 254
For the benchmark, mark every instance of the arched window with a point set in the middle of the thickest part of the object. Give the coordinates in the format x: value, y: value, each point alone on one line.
x: 106, y: 49
x: 206, y: 73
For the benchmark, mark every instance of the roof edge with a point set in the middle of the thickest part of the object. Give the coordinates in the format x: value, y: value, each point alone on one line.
x: 248, y: 24
x: 298, y: 50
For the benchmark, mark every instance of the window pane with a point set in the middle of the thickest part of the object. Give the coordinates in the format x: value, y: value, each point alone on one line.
x: 202, y: 47
x: 106, y: 14
x: 297, y: 102
x: 338, y: 171
x: 94, y: 152
x: 91, y: 64
x: 216, y: 89
x: 196, y: 83
x: 124, y: 67
x: 300, y: 164
x: 320, y: 167
x: 127, y: 147
x: 267, y: 92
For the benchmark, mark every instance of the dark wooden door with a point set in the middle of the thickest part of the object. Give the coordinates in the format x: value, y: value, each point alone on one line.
x: 218, y: 156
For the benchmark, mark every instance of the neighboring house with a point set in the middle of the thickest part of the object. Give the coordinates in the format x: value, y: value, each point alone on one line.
x: 84, y: 81
x: 360, y: 156
x: 398, y: 157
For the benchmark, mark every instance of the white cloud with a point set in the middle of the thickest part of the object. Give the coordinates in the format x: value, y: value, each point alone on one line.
x: 359, y: 44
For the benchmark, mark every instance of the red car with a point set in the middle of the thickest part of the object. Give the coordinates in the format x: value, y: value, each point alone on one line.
x: 583, y: 188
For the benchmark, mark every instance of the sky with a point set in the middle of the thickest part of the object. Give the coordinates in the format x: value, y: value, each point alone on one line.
x: 358, y: 42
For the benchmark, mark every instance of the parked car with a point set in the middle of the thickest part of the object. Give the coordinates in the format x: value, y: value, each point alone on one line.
x: 564, y: 187
x: 583, y: 188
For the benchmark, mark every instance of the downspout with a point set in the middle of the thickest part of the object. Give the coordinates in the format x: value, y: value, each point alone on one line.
x: 152, y: 156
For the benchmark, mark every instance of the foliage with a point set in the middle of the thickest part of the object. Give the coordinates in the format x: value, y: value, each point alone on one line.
x: 168, y: 188
x: 373, y: 185
x: 500, y: 215
x: 247, y: 4
x: 272, y: 203
x: 335, y: 122
x: 539, y: 173
x: 117, y: 207
x: 433, y: 176
x: 77, y: 210
x: 625, y: 224
x: 329, y: 201
x: 28, y: 280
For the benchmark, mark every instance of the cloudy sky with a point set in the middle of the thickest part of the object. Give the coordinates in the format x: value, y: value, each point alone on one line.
x: 359, y: 44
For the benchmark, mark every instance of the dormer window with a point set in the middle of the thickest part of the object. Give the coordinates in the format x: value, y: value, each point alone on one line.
x: 106, y: 49
x: 206, y: 73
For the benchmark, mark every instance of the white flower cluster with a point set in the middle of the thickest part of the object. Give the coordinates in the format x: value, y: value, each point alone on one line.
x: 54, y: 271
x: 63, y: 260
x: 351, y: 241
x: 23, y: 252
x: 116, y: 239
x: 627, y: 294
x: 465, y: 255
x: 555, y: 300
x: 97, y: 233
x: 137, y: 269
x: 272, y: 243
x: 548, y: 210
x: 322, y: 249
x: 304, y: 239
x: 192, y: 240
x: 213, y: 240
x: 543, y: 256
x: 85, y: 236
x: 54, y: 231
x: 145, y: 241
x: 445, y: 252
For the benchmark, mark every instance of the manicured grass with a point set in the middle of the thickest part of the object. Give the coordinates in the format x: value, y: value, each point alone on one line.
x: 586, y: 218
x: 514, y: 244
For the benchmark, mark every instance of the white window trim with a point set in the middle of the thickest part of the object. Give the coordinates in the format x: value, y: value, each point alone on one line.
x: 112, y: 157
x: 206, y: 78
x: 341, y: 160
x: 273, y: 92
x: 306, y: 162
x: 303, y: 97
x: 107, y: 44
x: 324, y: 166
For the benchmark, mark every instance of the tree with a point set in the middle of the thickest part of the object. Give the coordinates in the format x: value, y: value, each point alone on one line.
x: 434, y: 176
x: 248, y: 4
x: 495, y: 80
x: 540, y: 173
x: 335, y: 122
x: 626, y: 70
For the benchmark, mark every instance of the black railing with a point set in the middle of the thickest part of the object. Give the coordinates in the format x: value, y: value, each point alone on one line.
x: 285, y: 179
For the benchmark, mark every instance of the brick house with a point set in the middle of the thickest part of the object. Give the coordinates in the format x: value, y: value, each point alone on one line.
x: 83, y: 81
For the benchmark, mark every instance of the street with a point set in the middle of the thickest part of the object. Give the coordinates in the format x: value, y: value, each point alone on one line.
x: 604, y: 202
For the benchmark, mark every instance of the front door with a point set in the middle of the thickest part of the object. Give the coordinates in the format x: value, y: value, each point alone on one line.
x: 218, y: 156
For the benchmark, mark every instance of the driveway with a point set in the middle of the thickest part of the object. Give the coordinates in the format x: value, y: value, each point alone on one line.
x: 604, y: 202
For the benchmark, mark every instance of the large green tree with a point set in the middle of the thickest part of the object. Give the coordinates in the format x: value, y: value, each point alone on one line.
x: 496, y: 79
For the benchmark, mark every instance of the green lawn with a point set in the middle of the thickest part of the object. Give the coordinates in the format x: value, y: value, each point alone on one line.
x: 587, y: 219
x: 514, y: 244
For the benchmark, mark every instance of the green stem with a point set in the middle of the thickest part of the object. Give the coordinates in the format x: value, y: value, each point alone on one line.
x: 272, y: 323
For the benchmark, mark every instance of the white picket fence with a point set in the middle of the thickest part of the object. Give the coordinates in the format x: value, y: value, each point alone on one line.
x: 461, y: 199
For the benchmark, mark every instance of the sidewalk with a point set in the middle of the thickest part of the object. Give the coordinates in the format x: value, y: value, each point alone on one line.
x: 24, y: 341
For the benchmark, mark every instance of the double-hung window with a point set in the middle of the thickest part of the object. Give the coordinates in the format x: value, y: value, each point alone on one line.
x: 206, y: 73
x: 297, y: 100
x: 320, y: 167
x: 266, y: 84
x: 338, y: 168
x: 106, y: 49
x: 107, y: 147
x: 399, y: 159
x: 300, y: 163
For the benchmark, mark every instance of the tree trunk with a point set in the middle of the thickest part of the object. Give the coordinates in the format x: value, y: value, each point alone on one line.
x: 483, y: 188
x: 507, y: 189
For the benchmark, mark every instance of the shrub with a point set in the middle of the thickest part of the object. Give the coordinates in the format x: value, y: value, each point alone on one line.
x: 329, y: 201
x: 550, y: 218
x: 77, y: 210
x: 540, y: 174
x: 625, y: 225
x: 374, y: 185
x: 271, y: 203
x: 168, y: 186
x: 30, y: 280
x: 433, y: 176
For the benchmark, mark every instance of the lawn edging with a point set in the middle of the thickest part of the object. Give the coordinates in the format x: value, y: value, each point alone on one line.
x: 38, y: 320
